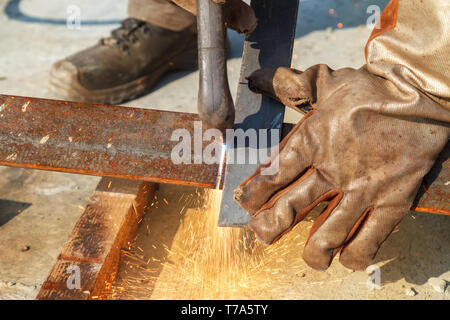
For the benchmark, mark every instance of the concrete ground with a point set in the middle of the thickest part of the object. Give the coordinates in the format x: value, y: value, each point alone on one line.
x: 39, y: 209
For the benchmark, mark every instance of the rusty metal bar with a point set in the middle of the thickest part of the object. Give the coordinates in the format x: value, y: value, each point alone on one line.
x: 132, y: 143
x: 97, y: 140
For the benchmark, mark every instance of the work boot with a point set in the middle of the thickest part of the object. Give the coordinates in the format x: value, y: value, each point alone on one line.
x: 125, y: 65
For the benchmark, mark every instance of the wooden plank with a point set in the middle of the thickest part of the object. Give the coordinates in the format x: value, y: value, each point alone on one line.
x: 270, y: 45
x: 108, y: 224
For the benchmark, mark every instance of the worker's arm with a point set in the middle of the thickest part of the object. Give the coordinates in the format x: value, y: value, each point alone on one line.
x: 372, y: 135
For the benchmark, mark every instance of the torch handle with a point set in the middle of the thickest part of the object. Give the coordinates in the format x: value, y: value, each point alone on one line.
x: 215, y: 104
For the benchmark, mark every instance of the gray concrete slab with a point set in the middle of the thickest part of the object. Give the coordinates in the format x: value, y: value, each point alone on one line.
x: 34, y: 34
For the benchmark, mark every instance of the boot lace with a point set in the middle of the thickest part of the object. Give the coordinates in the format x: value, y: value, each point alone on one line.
x: 125, y: 34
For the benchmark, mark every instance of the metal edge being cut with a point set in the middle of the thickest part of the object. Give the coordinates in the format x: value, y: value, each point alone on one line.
x: 270, y: 45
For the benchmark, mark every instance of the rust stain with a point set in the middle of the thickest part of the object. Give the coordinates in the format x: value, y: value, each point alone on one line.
x: 80, y: 259
x: 131, y: 143
x: 98, y: 140
x: 432, y: 210
x: 47, y: 285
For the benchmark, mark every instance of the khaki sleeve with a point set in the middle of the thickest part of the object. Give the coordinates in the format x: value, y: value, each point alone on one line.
x: 412, y: 44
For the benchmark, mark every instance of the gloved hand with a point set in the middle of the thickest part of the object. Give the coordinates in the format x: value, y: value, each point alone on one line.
x: 372, y: 135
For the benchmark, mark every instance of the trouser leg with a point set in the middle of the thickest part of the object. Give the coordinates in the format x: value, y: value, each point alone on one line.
x: 161, y: 13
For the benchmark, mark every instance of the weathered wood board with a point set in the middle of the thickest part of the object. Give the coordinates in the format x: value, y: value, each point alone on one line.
x: 93, y: 249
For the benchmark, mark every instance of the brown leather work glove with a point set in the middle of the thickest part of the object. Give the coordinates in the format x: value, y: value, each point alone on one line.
x: 370, y: 138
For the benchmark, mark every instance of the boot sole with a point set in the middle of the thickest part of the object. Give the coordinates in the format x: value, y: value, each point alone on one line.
x: 186, y: 60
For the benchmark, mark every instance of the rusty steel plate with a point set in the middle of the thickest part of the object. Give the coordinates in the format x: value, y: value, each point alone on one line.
x: 133, y: 143
x: 98, y: 140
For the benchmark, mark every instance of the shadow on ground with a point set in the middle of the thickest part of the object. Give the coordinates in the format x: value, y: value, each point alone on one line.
x: 418, y: 250
x: 10, y: 209
x: 13, y: 11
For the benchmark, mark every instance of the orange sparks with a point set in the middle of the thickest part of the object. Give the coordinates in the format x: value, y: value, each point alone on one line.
x: 187, y: 256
